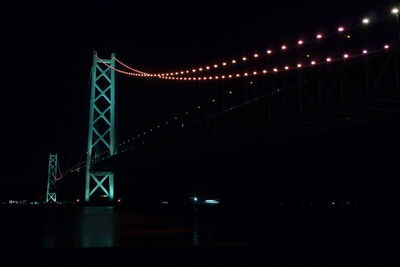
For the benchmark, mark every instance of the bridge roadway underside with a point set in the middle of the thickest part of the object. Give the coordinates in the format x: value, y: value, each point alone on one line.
x: 296, y: 104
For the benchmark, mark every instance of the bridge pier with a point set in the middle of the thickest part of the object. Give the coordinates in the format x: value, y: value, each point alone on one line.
x: 101, y: 136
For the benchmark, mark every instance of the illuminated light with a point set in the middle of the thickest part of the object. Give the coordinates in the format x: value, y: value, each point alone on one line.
x: 182, y: 72
x: 175, y: 118
x: 216, y: 77
x: 386, y: 46
x: 213, y: 100
x: 233, y: 61
x: 283, y: 47
x: 256, y: 55
x: 275, y: 70
x: 223, y: 76
x: 215, y: 66
x: 167, y: 74
x: 158, y: 126
x: 254, y: 72
x: 210, y: 77
x: 208, y: 67
x: 365, y: 51
x: 119, y: 200
x: 230, y: 92
x: 269, y: 52
x: 194, y: 78
x: 200, y: 69
x: 190, y: 78
x: 244, y: 58
x: 195, y: 198
x: 365, y: 20
x: 172, y: 74
x: 348, y: 36
x: 328, y: 59
x: 198, y: 107
x: 395, y: 11
x: 185, y: 79
x: 319, y: 36
x: 299, y: 65
x: 250, y: 82
x: 187, y: 71
x: 238, y: 75
x: 300, y: 42
x: 204, y: 78
x: 186, y: 113
x: 180, y: 78
x: 246, y: 74
x: 211, y: 201
x: 193, y: 70
x: 346, y: 55
x: 286, y: 67
x: 264, y: 71
x: 340, y: 29
x: 224, y: 63
x: 230, y: 76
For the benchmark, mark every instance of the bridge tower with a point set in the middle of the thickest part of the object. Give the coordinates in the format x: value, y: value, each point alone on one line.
x: 51, y: 196
x: 101, y: 138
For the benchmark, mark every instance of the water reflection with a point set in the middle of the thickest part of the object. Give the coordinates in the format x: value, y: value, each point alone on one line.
x: 195, y: 234
x: 97, y: 227
x: 101, y: 227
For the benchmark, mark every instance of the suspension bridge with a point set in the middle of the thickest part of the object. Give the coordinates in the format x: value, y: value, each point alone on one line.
x: 321, y: 81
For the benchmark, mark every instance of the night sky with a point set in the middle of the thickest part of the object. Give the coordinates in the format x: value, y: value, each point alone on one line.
x: 47, y: 54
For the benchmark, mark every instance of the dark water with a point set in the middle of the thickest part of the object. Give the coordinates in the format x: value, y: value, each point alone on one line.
x: 200, y: 237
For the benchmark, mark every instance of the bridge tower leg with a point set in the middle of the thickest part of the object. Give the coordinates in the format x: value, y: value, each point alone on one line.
x: 51, y: 196
x: 101, y: 138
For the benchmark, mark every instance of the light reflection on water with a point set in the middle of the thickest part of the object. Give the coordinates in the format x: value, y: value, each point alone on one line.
x: 81, y: 228
x: 97, y: 227
x: 102, y: 227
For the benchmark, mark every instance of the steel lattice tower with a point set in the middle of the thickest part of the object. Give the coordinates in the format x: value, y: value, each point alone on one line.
x: 101, y: 139
x: 51, y: 196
